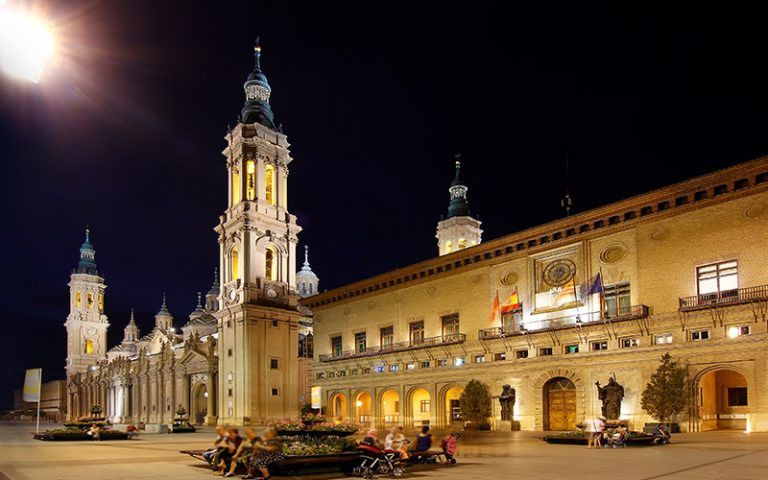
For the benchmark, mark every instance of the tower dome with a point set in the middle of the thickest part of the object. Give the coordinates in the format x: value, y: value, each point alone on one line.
x: 257, y: 93
x: 307, y: 281
x: 87, y: 263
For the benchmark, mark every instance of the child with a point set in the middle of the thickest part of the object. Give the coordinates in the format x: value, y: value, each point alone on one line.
x: 448, y: 445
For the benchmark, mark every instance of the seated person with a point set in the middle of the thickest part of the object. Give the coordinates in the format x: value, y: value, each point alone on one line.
x: 265, y: 453
x: 243, y: 451
x: 448, y: 445
x: 372, y: 438
x: 424, y: 440
x: 132, y: 431
x: 219, y: 445
x: 225, y: 457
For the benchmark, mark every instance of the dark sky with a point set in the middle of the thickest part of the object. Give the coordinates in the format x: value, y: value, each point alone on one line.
x: 125, y: 133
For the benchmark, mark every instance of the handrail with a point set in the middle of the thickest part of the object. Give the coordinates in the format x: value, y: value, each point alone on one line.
x: 724, y: 297
x: 449, y: 339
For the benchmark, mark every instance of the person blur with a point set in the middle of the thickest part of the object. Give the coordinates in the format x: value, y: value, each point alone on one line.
x: 372, y: 438
x: 594, y: 428
x: 394, y: 439
x: 660, y: 435
x: 132, y: 431
x: 219, y: 445
x: 225, y: 457
x: 243, y: 451
x: 95, y: 432
x: 449, y: 444
x: 424, y: 440
x: 265, y: 453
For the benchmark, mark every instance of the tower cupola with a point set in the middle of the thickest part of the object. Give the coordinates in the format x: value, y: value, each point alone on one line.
x: 459, y: 206
x: 131, y: 331
x: 163, y: 318
x: 459, y: 229
x: 307, y: 281
x: 87, y: 263
x: 257, y: 93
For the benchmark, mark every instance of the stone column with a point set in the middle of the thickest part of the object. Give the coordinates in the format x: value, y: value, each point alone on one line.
x: 126, y: 403
x: 210, y: 416
x: 185, y: 396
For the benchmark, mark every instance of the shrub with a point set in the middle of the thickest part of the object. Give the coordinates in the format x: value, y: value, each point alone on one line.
x: 475, y: 403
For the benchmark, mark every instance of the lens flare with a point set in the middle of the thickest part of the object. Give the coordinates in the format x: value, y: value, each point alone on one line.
x: 25, y: 44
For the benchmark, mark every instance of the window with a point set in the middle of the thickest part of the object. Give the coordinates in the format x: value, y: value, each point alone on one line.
x: 101, y: 303
x: 698, y: 335
x: 89, y: 347
x: 387, y: 337
x: 379, y: 368
x: 416, y: 332
x: 235, y: 185
x: 737, y: 397
x: 450, y: 326
x: 545, y: 351
x: 497, y: 357
x: 448, y: 246
x: 462, y: 243
x: 342, y: 373
x: 394, y: 367
x: 336, y: 346
x: 425, y: 364
x: 360, y: 342
x: 273, y: 363
x: 630, y: 342
x: 250, y: 180
x: 90, y: 301
x: 573, y: 348
x: 410, y: 366
x: 736, y: 331
x: 717, y: 277
x: 275, y: 323
x: 479, y: 359
x: 442, y: 362
x: 270, y: 264
x: 366, y: 371
x: 425, y: 406
x: 617, y: 300
x: 78, y: 299
x: 511, y: 321
x: 521, y: 354
x: 597, y: 346
x: 234, y: 265
x: 662, y: 339
x: 269, y: 177
x: 353, y: 371
x: 274, y: 392
x: 459, y: 361
x: 229, y: 352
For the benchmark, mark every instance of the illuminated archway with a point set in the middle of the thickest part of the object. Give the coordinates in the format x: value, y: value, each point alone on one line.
x: 363, y: 408
x: 723, y: 400
x: 451, y: 404
x: 199, y: 408
x: 390, y: 407
x: 338, y: 406
x: 421, y: 407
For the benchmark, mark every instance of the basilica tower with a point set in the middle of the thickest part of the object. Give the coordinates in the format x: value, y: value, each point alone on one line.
x: 459, y: 229
x: 257, y: 316
x: 86, y: 323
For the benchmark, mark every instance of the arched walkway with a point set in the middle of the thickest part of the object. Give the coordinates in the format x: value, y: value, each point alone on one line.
x: 338, y: 406
x: 722, y: 399
x: 363, y: 408
x: 559, y: 404
x: 199, y: 408
x: 420, y: 407
x: 451, y: 405
x: 390, y: 408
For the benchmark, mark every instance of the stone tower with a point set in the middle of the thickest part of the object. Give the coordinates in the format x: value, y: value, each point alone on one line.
x: 459, y: 229
x: 86, y: 323
x: 257, y: 316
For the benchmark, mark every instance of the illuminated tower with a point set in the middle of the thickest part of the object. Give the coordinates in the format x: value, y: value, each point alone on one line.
x: 459, y: 229
x: 257, y: 315
x: 86, y: 323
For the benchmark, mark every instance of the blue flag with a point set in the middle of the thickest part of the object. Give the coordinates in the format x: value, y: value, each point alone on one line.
x: 596, y: 286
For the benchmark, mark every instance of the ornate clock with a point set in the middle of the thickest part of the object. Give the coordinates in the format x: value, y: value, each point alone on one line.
x: 559, y: 272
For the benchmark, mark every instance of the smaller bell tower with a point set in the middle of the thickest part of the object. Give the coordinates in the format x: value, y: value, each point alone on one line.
x: 86, y: 323
x: 459, y: 229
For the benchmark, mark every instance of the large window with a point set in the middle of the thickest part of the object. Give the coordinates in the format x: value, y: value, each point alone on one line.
x: 101, y: 303
x: 717, y: 277
x: 270, y: 262
x: 424, y: 406
x: 737, y: 397
x: 617, y: 301
x: 360, y: 342
x: 269, y: 177
x: 235, y: 186
x: 336, y: 346
x: 90, y: 301
x: 250, y: 180
x: 234, y: 265
x: 386, y: 337
x: 451, y: 326
x: 89, y: 347
x: 78, y: 299
x: 416, y: 332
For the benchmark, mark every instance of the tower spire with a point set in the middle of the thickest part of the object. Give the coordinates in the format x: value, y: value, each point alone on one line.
x: 306, y: 256
x: 257, y: 93
x: 87, y: 262
x: 459, y: 206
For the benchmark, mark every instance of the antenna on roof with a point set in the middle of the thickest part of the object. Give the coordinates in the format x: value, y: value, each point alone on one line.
x: 567, y: 202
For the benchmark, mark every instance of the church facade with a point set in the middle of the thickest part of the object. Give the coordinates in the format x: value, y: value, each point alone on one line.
x: 235, y: 361
x: 543, y: 315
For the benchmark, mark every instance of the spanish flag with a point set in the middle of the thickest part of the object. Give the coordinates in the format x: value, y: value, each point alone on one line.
x: 32, y: 383
x: 513, y: 303
x: 495, y: 307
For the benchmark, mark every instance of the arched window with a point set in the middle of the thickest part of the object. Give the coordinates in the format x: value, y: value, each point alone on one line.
x: 89, y: 347
x: 101, y: 303
x: 234, y: 265
x: 462, y: 243
x: 78, y: 299
x: 90, y: 301
x: 235, y: 186
x: 270, y: 264
x: 269, y: 177
x: 250, y: 180
x: 448, y: 246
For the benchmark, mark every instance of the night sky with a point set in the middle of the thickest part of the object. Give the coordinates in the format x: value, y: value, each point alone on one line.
x: 125, y: 132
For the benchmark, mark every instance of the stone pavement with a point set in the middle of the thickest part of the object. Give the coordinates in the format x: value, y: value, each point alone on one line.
x: 703, y: 456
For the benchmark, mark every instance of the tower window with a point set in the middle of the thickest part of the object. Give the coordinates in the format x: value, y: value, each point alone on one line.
x: 90, y: 301
x: 235, y: 186
x: 250, y: 180
x: 448, y: 246
x: 101, y: 303
x: 78, y: 299
x: 462, y: 243
x: 234, y: 270
x: 273, y: 363
x: 89, y: 347
x: 269, y: 177
x: 270, y: 269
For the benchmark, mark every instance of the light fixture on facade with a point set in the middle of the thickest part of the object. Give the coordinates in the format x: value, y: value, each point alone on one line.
x: 733, y: 332
x: 359, y: 403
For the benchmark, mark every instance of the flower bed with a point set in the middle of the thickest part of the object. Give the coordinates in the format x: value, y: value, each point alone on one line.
x: 78, y: 435
x: 580, y: 438
x: 302, y: 445
x: 314, y: 428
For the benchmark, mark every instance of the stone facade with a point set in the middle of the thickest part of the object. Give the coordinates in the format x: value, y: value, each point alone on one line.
x: 399, y: 347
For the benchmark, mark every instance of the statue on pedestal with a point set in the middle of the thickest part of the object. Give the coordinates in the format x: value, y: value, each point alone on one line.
x: 507, y: 401
x: 611, y: 396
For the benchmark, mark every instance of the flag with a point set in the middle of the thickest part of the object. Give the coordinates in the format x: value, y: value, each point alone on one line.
x: 32, y: 382
x: 596, y: 285
x: 513, y: 303
x: 566, y: 295
x: 495, y: 307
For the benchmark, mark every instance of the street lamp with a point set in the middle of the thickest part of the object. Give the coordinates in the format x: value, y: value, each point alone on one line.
x: 25, y: 44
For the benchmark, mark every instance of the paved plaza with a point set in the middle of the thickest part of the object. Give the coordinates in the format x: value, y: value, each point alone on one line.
x: 713, y: 455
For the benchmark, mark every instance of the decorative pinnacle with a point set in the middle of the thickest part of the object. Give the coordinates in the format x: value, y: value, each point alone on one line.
x: 199, y: 301
x: 257, y: 44
x: 87, y: 234
x: 164, y: 304
x: 132, y: 319
x: 216, y: 276
x: 306, y: 255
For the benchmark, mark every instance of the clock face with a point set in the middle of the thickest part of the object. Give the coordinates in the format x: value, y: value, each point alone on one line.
x: 559, y: 272
x: 232, y: 294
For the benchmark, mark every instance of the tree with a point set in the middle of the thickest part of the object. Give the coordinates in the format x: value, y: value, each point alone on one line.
x: 666, y: 394
x: 96, y: 410
x: 475, y: 403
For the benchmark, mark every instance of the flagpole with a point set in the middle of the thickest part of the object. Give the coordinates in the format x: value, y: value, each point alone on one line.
x: 39, y: 398
x: 602, y: 295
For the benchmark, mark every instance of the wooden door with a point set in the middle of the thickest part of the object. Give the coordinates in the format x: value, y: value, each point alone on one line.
x: 561, y: 405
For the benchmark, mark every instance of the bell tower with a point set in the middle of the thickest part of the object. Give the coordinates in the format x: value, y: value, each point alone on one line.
x: 86, y: 323
x: 257, y: 315
x: 459, y: 229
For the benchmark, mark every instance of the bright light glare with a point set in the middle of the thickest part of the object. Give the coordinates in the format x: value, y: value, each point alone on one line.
x: 733, y: 332
x: 25, y: 45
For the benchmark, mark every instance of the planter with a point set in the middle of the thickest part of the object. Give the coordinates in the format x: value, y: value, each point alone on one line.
x: 580, y: 438
x: 313, y: 433
x: 64, y: 436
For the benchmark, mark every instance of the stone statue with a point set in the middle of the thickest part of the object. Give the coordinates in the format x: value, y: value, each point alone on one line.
x: 507, y: 401
x: 611, y: 396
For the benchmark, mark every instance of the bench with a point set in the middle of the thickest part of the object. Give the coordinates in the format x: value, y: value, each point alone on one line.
x: 426, y: 456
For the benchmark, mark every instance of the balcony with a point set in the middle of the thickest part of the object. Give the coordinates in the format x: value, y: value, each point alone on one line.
x: 442, y: 340
x: 724, y: 297
x: 517, y: 328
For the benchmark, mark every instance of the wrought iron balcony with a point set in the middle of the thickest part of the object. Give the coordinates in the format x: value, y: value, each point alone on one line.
x: 451, y: 339
x: 517, y: 328
x: 725, y: 297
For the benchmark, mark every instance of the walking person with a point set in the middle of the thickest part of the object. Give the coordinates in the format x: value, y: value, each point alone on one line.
x: 595, y: 429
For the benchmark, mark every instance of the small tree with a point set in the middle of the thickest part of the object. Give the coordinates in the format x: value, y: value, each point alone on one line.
x: 666, y: 395
x: 475, y: 403
x: 96, y: 410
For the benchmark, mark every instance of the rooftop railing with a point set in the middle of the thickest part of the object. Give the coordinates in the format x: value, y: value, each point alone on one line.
x: 519, y: 328
x: 450, y: 339
x: 724, y: 297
